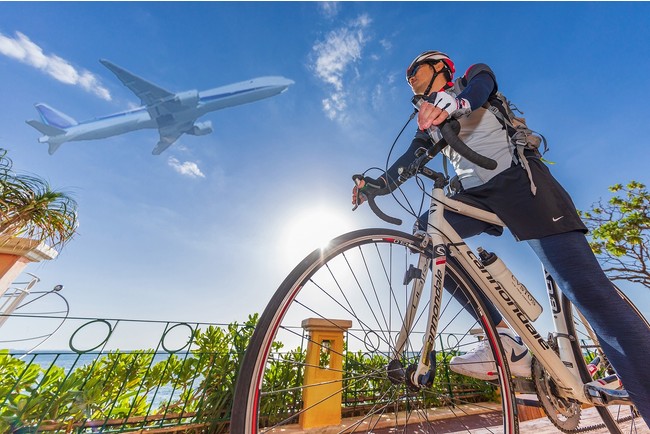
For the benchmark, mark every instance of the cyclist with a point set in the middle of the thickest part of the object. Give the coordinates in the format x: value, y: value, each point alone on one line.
x: 533, y: 205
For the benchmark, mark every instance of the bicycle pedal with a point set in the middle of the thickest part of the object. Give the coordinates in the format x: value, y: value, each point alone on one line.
x: 521, y: 385
x: 599, y: 395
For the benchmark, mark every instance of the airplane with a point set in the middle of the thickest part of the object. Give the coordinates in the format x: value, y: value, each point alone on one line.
x: 173, y: 114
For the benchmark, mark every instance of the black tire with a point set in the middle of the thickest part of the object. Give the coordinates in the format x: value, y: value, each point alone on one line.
x: 359, y: 277
x: 617, y: 418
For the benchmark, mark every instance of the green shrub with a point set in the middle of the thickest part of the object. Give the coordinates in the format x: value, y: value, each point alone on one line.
x: 198, y: 383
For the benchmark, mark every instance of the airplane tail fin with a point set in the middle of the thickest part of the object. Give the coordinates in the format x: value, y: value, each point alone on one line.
x: 54, y: 118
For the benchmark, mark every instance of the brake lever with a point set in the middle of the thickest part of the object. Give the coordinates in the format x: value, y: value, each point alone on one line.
x: 357, y: 181
x: 371, y: 202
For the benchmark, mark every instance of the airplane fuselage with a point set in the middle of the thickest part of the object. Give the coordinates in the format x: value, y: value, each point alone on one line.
x: 182, y: 108
x: 101, y: 128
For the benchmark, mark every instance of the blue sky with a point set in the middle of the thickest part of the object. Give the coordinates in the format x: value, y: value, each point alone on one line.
x: 207, y: 230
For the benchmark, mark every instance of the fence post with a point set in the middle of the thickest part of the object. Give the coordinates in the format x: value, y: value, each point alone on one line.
x: 323, y: 372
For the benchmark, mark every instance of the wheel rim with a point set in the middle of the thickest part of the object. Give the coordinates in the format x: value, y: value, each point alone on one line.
x: 360, y: 280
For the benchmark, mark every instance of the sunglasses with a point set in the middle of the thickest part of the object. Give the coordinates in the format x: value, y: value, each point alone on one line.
x: 412, y: 71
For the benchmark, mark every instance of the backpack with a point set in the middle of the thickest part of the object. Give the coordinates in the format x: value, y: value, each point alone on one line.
x: 518, y: 132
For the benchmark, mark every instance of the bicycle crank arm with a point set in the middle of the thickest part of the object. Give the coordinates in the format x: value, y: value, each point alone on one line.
x: 599, y: 395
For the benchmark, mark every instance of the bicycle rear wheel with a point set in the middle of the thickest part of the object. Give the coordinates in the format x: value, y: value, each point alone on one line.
x: 359, y: 278
x: 617, y: 418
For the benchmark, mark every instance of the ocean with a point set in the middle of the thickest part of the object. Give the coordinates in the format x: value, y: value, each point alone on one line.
x: 70, y: 361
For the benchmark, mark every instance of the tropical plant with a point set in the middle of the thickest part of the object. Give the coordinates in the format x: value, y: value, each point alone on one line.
x: 30, y: 208
x: 193, y: 387
x: 620, y: 233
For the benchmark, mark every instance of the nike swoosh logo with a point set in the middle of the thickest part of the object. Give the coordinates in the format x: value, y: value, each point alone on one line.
x: 557, y: 218
x: 517, y: 357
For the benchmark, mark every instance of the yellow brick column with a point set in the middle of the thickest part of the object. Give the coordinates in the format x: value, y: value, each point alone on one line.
x: 322, y: 394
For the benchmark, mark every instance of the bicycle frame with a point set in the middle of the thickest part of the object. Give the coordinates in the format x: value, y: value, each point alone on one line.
x: 446, y: 241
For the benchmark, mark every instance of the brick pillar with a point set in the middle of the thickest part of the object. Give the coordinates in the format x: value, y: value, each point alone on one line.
x: 323, y: 375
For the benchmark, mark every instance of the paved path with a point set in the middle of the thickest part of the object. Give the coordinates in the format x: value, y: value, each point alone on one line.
x: 444, y: 422
x: 589, y: 417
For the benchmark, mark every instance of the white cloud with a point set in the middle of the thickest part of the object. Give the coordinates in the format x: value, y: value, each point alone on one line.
x: 180, y: 147
x: 377, y: 95
x: 329, y: 9
x: 386, y: 44
x: 24, y: 50
x: 187, y: 168
x: 336, y: 56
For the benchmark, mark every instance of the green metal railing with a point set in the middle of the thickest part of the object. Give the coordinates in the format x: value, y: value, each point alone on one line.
x: 185, y: 379
x: 182, y: 382
x: 450, y: 388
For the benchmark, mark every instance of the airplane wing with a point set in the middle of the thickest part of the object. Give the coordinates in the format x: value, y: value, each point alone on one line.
x: 48, y: 130
x: 148, y: 92
x: 169, y: 135
x: 165, y: 142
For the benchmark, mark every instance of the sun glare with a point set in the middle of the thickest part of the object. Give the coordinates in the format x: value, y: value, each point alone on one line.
x: 311, y: 229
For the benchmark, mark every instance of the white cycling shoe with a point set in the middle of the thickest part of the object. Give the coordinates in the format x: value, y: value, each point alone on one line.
x: 479, y: 363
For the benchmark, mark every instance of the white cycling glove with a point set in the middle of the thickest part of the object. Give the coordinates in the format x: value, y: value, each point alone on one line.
x: 456, y: 107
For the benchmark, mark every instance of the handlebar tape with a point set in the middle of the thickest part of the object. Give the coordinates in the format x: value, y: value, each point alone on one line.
x: 452, y: 139
x: 379, y: 213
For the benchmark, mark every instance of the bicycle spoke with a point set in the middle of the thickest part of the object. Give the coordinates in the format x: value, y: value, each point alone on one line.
x: 356, y: 292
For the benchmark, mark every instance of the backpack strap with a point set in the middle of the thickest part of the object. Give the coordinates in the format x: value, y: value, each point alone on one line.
x: 519, y: 145
x: 518, y: 148
x: 524, y: 163
x: 507, y: 124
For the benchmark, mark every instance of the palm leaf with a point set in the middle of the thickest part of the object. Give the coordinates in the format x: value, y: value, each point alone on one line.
x: 30, y: 208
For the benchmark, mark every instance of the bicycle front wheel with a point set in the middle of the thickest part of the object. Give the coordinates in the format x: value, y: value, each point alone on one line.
x: 355, y: 290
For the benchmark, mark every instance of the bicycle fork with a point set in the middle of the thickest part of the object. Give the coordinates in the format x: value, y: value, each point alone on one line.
x: 431, y: 258
x: 420, y: 375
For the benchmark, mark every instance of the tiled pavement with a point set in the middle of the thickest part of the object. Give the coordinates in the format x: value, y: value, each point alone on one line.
x: 444, y: 421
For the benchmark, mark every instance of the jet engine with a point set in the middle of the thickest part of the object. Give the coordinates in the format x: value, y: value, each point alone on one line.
x: 200, y: 128
x: 188, y: 99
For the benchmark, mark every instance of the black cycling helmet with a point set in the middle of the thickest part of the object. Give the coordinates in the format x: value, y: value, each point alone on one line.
x: 432, y: 57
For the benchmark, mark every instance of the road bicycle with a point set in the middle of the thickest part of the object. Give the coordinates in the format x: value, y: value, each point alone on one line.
x: 377, y: 279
